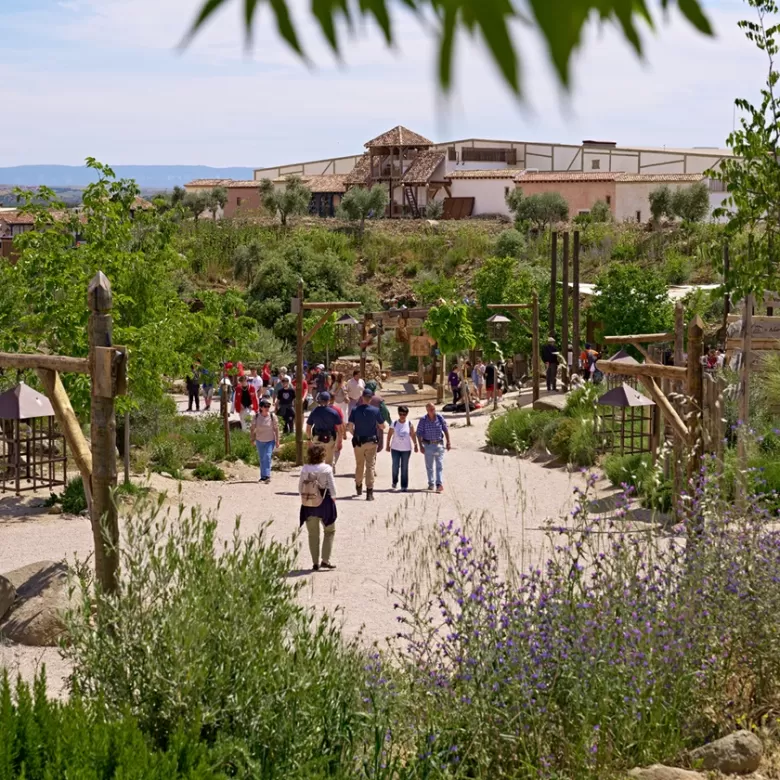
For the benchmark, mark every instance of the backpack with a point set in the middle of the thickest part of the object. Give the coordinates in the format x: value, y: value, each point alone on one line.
x: 311, y: 495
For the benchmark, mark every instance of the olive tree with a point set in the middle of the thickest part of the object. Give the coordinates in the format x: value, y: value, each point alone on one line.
x: 291, y: 200
x: 359, y: 204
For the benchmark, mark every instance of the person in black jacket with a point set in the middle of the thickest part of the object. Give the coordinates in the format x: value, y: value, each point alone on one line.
x: 550, y: 359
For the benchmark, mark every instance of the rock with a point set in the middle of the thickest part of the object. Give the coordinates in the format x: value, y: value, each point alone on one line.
x: 36, y: 618
x: 7, y: 595
x: 54, y: 509
x: 660, y: 772
x: 737, y: 754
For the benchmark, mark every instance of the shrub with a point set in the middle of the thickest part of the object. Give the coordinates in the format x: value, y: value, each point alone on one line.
x: 623, y: 649
x: 74, y: 500
x: 575, y: 441
x: 510, y: 243
x: 209, y: 472
x: 169, y: 453
x: 44, y: 738
x: 518, y: 429
x: 214, y: 632
x: 631, y: 470
x: 582, y: 401
x: 600, y: 212
x: 677, y: 268
x: 434, y: 209
x: 286, y: 452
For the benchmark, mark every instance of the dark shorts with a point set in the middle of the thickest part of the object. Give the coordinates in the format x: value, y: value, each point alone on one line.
x: 326, y: 511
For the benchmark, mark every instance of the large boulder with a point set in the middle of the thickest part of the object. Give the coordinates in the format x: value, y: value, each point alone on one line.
x: 737, y: 754
x: 660, y: 772
x: 36, y: 617
x: 7, y: 595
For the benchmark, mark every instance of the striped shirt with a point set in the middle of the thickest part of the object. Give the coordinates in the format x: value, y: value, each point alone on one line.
x: 432, y: 430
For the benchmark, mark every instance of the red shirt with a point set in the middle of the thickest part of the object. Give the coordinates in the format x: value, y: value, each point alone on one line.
x: 305, y: 386
x: 252, y: 397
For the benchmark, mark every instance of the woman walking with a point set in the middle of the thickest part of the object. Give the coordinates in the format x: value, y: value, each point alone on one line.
x: 317, y: 489
x: 400, y: 440
x: 265, y: 434
x: 338, y: 391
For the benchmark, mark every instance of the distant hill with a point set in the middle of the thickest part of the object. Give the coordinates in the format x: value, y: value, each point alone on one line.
x: 152, y: 176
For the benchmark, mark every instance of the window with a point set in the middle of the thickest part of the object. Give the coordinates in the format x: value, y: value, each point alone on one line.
x: 609, y: 200
x: 716, y: 185
x: 452, y: 154
x: 506, y: 192
x: 469, y: 154
x: 240, y: 201
x: 595, y: 165
x: 639, y: 216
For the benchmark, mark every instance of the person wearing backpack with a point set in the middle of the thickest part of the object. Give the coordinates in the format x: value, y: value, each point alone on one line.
x: 317, y: 489
x: 265, y: 435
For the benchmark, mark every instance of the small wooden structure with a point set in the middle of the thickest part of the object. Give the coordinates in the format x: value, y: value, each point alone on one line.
x: 627, y: 433
x: 33, y: 453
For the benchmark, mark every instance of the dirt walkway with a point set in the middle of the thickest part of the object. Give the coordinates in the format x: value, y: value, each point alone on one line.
x: 378, y: 545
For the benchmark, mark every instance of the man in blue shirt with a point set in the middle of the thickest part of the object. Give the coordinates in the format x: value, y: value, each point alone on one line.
x: 432, y: 432
x: 365, y: 425
x: 324, y: 426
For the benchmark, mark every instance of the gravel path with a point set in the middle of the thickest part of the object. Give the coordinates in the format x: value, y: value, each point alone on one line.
x: 378, y: 545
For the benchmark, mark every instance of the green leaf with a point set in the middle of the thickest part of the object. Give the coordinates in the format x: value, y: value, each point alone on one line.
x: 691, y: 10
x: 284, y: 24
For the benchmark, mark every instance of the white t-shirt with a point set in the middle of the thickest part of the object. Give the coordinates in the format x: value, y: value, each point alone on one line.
x: 257, y: 383
x: 355, y: 389
x: 402, y: 440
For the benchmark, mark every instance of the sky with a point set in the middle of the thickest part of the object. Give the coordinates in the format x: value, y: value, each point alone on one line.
x: 104, y: 78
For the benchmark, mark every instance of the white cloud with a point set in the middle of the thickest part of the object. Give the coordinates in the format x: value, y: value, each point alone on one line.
x: 214, y: 105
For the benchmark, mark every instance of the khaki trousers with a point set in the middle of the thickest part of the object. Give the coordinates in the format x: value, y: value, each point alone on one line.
x: 365, y: 463
x: 313, y: 527
x: 330, y: 449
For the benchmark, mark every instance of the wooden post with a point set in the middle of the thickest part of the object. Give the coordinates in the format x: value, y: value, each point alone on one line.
x: 299, y: 380
x: 696, y: 397
x: 565, y: 310
x: 727, y: 296
x: 364, y: 348
x: 535, y: 347
x: 105, y: 525
x: 677, y: 387
x: 576, y: 300
x: 420, y: 371
x: 442, y: 375
x: 127, y: 448
x: 553, y: 283
x: 224, y: 409
x: 744, y: 400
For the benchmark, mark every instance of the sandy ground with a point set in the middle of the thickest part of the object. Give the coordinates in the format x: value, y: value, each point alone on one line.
x: 378, y: 545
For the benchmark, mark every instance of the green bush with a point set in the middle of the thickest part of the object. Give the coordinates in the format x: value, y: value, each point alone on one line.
x: 286, y: 452
x: 209, y: 472
x: 518, y: 429
x: 632, y: 470
x: 677, y: 268
x: 74, y: 501
x: 575, y: 441
x: 510, y: 243
x: 44, y: 739
x: 213, y: 631
x: 169, y: 453
x: 582, y: 401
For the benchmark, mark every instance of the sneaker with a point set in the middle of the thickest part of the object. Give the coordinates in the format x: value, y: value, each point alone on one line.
x: 315, y: 567
x: 440, y: 488
x: 430, y: 487
x: 267, y: 480
x: 327, y: 566
x: 359, y: 490
x: 395, y: 487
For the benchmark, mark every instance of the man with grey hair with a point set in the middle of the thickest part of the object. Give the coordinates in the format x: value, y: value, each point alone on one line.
x: 432, y: 432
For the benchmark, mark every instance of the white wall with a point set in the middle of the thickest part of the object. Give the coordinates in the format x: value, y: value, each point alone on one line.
x: 631, y: 197
x: 489, y: 194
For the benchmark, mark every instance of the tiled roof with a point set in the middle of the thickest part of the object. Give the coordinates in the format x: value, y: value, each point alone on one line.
x: 498, y: 173
x: 616, y: 176
x: 661, y: 177
x: 422, y: 167
x: 399, y: 136
x: 209, y: 183
x: 238, y: 183
x: 141, y: 203
x: 329, y: 182
x: 15, y: 218
x: 361, y: 173
x: 568, y: 176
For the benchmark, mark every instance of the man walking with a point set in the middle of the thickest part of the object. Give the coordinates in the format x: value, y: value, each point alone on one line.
x: 365, y: 424
x: 285, y: 403
x: 324, y: 426
x: 355, y: 388
x: 550, y: 359
x: 432, y: 432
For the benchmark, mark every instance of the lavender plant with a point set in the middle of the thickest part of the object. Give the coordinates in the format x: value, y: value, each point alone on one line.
x: 625, y: 647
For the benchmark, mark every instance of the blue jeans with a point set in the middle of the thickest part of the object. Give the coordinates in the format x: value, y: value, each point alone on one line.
x: 265, y: 450
x: 434, y: 456
x: 401, y: 462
